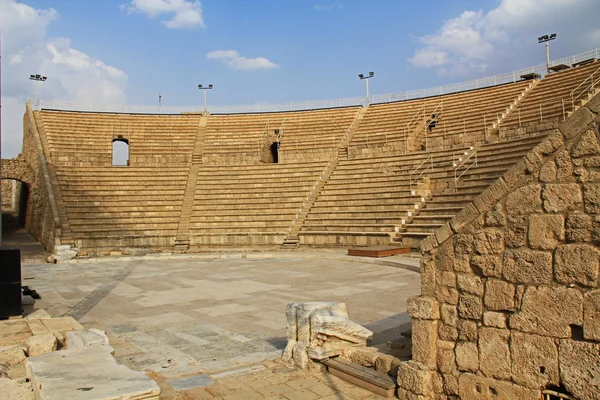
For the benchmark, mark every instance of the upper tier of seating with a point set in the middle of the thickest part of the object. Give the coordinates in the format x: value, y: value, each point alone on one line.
x: 551, y: 99
x: 241, y: 137
x: 152, y: 138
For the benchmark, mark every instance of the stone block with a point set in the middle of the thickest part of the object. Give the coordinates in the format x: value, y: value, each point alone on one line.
x: 490, y: 265
x: 579, y: 368
x: 494, y: 353
x: 428, y: 244
x: 577, y: 264
x: 546, y: 231
x: 447, y: 332
x: 576, y: 123
x: 490, y: 196
x: 444, y: 257
x: 41, y: 344
x: 467, y: 356
x: 448, y: 314
x: 591, y: 315
x: 560, y: 197
x: 591, y: 198
x: 495, y: 217
x: 564, y: 164
x: 415, y: 378
x: 447, y: 295
x: 467, y: 330
x: 463, y: 243
x: 525, y: 200
x: 473, y: 387
x: 428, y: 276
x: 86, y: 337
x: 549, y: 311
x: 489, y: 241
x: 464, y: 217
x: 424, y: 337
x: 470, y: 283
x: 443, y: 233
x: 12, y: 354
x: 548, y: 172
x: 499, y: 295
x: 446, y: 360
x: 579, y: 227
x: 446, y: 278
x: 450, y: 385
x: 470, y: 306
x: 517, y: 175
x: 421, y: 307
x: 494, y: 319
x: 527, y: 266
x: 594, y: 105
x: 550, y: 144
x: 534, y: 360
x: 516, y: 234
x: 587, y: 145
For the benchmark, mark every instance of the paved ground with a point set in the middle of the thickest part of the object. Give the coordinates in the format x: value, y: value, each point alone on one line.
x: 207, y: 327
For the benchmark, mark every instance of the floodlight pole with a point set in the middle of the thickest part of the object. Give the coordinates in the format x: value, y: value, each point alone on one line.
x: 366, y: 79
x: 37, y: 78
x: 545, y: 39
x: 205, y: 88
x: 159, y: 101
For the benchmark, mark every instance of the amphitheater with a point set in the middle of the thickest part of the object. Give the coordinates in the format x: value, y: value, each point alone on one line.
x: 496, y: 181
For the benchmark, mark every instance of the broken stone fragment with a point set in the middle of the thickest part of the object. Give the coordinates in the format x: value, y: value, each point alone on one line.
x: 41, y: 344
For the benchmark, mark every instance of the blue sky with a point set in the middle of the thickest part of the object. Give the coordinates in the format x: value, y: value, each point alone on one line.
x: 128, y: 51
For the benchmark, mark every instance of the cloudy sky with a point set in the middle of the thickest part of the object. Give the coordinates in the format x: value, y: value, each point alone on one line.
x: 128, y: 51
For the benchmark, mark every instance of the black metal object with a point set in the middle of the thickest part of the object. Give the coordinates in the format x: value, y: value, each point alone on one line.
x: 10, y: 282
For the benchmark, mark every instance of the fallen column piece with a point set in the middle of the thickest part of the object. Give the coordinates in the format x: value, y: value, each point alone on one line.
x: 320, y: 330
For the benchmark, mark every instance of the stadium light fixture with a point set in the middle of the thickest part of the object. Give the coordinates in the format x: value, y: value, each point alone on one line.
x: 205, y: 88
x: 546, y: 39
x: 366, y: 79
x: 37, y: 78
x: 159, y: 101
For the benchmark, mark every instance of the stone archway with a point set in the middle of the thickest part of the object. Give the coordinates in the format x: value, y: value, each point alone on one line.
x: 17, y: 169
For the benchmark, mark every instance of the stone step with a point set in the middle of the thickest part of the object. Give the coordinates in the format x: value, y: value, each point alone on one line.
x: 376, y: 382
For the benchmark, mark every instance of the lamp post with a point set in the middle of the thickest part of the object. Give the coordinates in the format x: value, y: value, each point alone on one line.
x: 546, y: 39
x: 205, y: 88
x: 37, y: 78
x: 159, y: 101
x: 366, y: 79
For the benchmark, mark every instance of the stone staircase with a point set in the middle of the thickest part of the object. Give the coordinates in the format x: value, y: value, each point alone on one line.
x: 514, y: 105
x: 182, y: 240
x: 292, y: 241
x: 493, y: 160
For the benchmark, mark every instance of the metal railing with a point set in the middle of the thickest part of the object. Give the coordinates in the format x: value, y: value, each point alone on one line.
x: 419, y: 171
x: 586, y: 89
x: 459, y: 163
x: 317, y: 104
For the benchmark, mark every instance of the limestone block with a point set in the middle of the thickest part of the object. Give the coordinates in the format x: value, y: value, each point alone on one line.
x: 450, y: 384
x: 576, y: 123
x: 421, y: 307
x: 470, y: 306
x: 525, y: 200
x: 86, y: 337
x: 447, y: 332
x: 424, y: 337
x: 495, y: 217
x: 516, y: 234
x: 577, y: 264
x: 427, y: 277
x: 446, y: 360
x: 594, y: 105
x: 579, y: 368
x: 467, y: 356
x: 549, y: 311
x: 490, y: 265
x: 446, y: 278
x: 470, y: 283
x: 447, y: 295
x: 449, y: 314
x: 534, y: 360
x: 548, y: 172
x: 473, y: 387
x: 591, y: 198
x: 546, y: 231
x: 565, y: 166
x: 467, y: 330
x: 443, y: 233
x: 494, y: 319
x: 445, y: 257
x: 41, y: 344
x: 579, y: 227
x: 527, y: 266
x: 591, y: 315
x: 415, y: 378
x: 489, y: 241
x: 463, y: 243
x: 12, y: 354
x: 587, y: 145
x: 561, y: 197
x: 464, y: 218
x: 550, y: 144
x: 499, y: 295
x: 38, y: 314
x: 494, y: 353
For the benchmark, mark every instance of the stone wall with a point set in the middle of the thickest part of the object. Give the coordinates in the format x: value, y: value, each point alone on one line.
x: 510, y: 296
x: 8, y: 195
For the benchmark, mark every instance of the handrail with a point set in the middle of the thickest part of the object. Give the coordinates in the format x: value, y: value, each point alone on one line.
x: 416, y: 170
x: 458, y: 166
x: 590, y: 86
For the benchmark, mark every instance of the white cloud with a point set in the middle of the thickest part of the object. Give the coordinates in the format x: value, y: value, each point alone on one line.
x: 328, y: 7
x: 476, y: 41
x: 187, y: 14
x: 73, y: 75
x: 234, y: 60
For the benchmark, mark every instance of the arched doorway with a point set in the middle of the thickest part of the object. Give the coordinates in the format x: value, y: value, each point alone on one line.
x: 120, y: 152
x: 15, y: 205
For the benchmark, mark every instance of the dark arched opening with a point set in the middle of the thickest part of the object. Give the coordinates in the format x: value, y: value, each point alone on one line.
x: 120, y: 151
x: 15, y: 201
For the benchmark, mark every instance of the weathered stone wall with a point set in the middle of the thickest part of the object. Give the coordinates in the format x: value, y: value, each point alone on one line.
x: 8, y: 195
x: 510, y: 301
